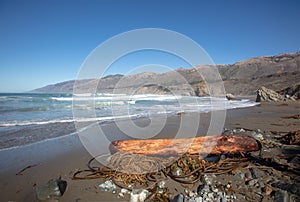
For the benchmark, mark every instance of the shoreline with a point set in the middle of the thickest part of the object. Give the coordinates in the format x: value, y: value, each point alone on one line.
x: 16, y: 135
x: 62, y: 156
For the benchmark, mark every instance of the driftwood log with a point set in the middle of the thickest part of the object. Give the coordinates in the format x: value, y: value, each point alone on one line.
x: 199, y: 145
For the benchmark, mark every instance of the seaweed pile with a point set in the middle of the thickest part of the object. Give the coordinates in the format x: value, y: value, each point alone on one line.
x: 131, y: 169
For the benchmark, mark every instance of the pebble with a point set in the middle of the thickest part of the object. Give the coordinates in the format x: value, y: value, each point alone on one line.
x: 191, y: 194
x: 207, y: 179
x: 202, y: 188
x: 223, y: 157
x: 161, y: 184
x: 252, y: 182
x: 268, y: 190
x: 176, y: 171
x: 257, y: 135
x: 138, y: 195
x: 121, y: 195
x: 199, y: 199
x: 261, y: 184
x: 125, y: 191
x: 213, y: 158
x: 255, y: 173
x: 215, y: 190
x: 233, y: 196
x: 227, y: 187
x: 53, y: 188
x: 227, y: 131
x: 210, y: 195
x: 178, y: 198
x: 281, y: 196
x: 248, y: 175
x: 240, y: 175
x: 108, y: 186
x: 275, y: 160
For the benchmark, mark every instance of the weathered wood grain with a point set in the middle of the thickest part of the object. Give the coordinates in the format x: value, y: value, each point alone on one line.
x: 199, y: 145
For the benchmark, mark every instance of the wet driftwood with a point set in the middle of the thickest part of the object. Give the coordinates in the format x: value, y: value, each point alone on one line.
x: 199, y: 145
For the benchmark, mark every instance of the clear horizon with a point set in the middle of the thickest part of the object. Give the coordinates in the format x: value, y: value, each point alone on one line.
x: 46, y: 42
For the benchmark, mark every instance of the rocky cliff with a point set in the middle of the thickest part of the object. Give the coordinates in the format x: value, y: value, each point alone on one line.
x: 242, y: 78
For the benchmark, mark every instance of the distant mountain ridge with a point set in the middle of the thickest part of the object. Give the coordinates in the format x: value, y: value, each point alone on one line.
x: 241, y: 78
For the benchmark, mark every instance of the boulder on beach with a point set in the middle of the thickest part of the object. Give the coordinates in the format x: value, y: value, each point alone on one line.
x: 267, y: 95
x: 229, y: 96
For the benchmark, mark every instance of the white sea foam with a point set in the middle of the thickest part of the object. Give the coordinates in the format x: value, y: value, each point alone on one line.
x: 26, y: 123
x: 92, y: 119
x: 122, y: 97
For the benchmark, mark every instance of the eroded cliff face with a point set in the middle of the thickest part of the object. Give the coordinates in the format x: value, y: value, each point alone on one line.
x: 242, y: 78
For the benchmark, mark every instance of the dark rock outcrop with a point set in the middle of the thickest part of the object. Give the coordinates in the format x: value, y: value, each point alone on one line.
x: 267, y: 95
x: 291, y: 92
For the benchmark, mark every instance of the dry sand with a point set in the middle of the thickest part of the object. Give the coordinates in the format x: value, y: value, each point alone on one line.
x: 63, y: 156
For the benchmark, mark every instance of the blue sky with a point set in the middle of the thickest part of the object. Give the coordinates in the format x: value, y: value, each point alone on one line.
x: 45, y: 42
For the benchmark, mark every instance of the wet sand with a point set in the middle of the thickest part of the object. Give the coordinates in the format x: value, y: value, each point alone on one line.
x: 65, y: 155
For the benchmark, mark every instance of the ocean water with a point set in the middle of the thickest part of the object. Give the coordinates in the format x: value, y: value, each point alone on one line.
x: 28, y: 118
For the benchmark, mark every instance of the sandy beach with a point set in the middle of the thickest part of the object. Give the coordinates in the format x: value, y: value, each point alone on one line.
x: 65, y: 155
x: 149, y: 101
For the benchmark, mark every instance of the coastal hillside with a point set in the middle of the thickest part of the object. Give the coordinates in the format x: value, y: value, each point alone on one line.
x: 241, y: 78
